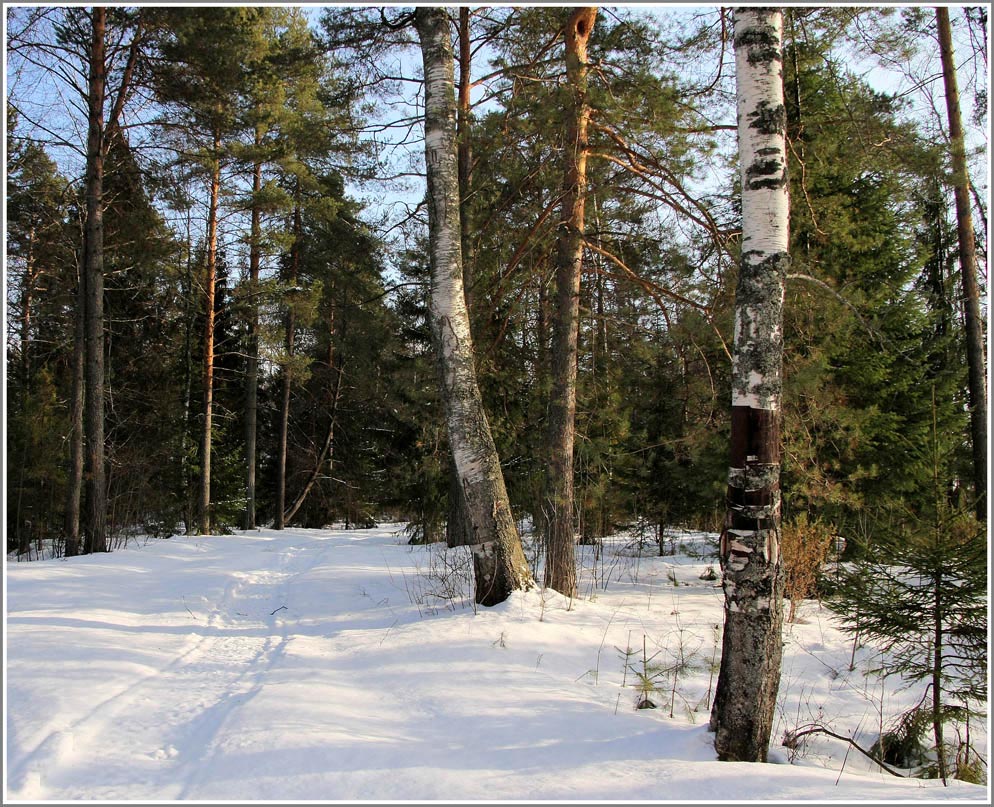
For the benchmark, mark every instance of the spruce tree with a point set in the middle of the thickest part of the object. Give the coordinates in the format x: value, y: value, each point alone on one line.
x: 920, y: 591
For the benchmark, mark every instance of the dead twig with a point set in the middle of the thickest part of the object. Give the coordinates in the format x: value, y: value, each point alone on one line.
x: 792, y: 740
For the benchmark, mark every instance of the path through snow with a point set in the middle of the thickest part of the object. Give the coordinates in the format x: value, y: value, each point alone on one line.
x: 294, y: 665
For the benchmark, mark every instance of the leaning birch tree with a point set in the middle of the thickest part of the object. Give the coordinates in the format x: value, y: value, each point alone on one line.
x: 498, y: 558
x: 749, y: 676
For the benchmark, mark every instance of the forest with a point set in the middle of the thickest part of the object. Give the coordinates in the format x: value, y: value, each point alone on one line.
x: 501, y: 271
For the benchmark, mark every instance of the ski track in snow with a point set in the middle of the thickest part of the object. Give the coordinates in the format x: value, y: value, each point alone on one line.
x: 295, y: 665
x: 223, y: 666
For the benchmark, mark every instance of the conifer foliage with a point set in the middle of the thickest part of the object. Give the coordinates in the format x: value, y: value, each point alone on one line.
x: 275, y: 267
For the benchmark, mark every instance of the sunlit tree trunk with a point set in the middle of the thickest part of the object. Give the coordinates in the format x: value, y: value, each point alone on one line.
x: 252, y: 368
x: 457, y: 525
x: 968, y: 266
x: 749, y: 676
x: 210, y: 284
x: 499, y: 559
x: 559, y: 508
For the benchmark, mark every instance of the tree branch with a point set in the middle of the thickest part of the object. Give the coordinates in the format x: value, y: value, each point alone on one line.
x: 791, y: 740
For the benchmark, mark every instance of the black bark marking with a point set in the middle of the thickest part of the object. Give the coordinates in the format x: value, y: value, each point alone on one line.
x: 769, y: 120
x: 760, y: 40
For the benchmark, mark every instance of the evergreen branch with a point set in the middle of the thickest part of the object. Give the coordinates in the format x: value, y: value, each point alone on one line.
x: 654, y: 289
x: 646, y: 164
x: 519, y: 253
x: 881, y: 338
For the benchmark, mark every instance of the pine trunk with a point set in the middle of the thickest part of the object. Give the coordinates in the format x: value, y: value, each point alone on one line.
x: 74, y: 480
x: 95, y: 519
x: 560, y: 564
x: 252, y: 368
x: 289, y: 340
x: 210, y: 284
x: 749, y: 676
x: 968, y: 267
x: 499, y: 561
x: 458, y: 527
x: 189, y: 510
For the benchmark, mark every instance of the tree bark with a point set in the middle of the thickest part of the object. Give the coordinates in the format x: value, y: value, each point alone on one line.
x: 457, y: 525
x: 290, y: 338
x: 252, y: 364
x: 74, y: 487
x: 968, y: 266
x: 189, y: 509
x: 210, y: 284
x: 749, y: 676
x: 465, y: 150
x: 499, y: 561
x: 560, y: 564
x: 27, y: 295
x: 95, y: 519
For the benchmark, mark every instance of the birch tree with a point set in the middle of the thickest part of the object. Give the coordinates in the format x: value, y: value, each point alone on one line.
x: 749, y: 677
x: 499, y: 562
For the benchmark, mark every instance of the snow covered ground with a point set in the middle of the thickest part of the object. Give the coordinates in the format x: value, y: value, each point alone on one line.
x: 347, y: 665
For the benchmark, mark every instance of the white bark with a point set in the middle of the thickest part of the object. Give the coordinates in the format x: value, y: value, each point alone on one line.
x: 749, y: 677
x: 765, y: 203
x: 499, y: 561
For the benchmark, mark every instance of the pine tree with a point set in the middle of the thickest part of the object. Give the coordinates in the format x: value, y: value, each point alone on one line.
x: 560, y: 566
x: 203, y: 73
x: 968, y: 265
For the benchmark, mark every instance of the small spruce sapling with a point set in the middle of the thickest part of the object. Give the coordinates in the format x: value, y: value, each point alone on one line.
x: 920, y: 591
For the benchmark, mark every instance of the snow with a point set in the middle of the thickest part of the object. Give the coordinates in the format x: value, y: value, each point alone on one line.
x: 347, y: 665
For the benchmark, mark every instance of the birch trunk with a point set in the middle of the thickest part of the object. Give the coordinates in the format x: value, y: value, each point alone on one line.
x: 210, y: 283
x: 499, y: 560
x: 560, y: 563
x: 457, y: 525
x: 95, y: 519
x: 749, y: 676
x: 968, y: 267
